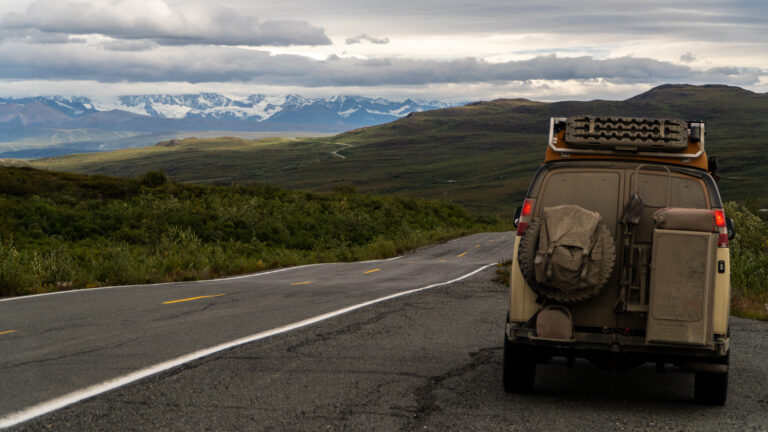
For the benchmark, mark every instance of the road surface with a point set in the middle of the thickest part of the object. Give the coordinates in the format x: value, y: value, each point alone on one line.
x: 58, y: 349
x: 426, y: 361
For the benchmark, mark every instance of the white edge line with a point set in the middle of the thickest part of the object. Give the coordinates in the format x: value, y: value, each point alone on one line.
x: 196, y: 281
x: 376, y: 260
x: 79, y: 395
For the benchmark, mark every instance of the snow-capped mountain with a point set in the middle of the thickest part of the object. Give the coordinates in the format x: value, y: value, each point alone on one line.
x: 76, y: 123
x: 292, y: 108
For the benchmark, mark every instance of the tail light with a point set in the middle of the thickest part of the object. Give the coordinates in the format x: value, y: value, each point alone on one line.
x: 525, y: 216
x: 722, y: 228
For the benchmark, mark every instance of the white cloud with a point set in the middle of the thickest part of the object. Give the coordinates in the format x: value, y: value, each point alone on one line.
x: 194, y: 23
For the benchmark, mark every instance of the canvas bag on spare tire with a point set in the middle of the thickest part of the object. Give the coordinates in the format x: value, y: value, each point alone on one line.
x: 567, y: 258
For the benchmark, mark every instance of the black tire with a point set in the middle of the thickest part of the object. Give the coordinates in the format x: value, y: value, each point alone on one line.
x: 711, y: 388
x: 527, y: 253
x: 519, y: 371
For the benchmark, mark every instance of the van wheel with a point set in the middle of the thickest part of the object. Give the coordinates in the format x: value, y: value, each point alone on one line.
x: 519, y: 370
x: 711, y: 388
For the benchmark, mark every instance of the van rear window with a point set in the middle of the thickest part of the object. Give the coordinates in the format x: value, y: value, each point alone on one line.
x: 594, y: 190
x: 684, y: 192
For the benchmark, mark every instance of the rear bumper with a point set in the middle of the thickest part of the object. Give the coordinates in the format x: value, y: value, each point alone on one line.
x: 597, y: 345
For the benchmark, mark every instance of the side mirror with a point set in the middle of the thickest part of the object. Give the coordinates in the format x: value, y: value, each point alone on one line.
x: 516, y: 220
x: 730, y: 227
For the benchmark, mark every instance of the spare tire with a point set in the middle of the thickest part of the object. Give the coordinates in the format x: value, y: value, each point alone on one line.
x: 604, y: 246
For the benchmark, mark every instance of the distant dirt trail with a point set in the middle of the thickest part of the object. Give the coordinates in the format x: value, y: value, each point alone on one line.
x: 336, y: 152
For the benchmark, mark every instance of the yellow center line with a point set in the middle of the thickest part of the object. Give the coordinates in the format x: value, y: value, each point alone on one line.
x: 461, y: 255
x: 477, y: 245
x: 7, y: 332
x: 371, y: 271
x: 442, y: 260
x: 193, y: 298
x: 490, y: 241
x: 302, y: 283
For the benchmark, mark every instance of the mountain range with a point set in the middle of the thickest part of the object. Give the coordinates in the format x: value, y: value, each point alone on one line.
x: 46, y: 126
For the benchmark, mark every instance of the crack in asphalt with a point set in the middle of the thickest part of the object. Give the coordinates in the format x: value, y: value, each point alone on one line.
x: 76, y: 354
x: 353, y: 327
x: 64, y: 328
x: 193, y: 311
x: 424, y: 395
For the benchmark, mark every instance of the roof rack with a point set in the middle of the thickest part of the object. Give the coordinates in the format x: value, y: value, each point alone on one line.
x: 627, y: 136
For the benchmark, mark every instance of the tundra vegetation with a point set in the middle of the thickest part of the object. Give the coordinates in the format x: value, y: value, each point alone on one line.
x: 749, y: 262
x: 62, y: 231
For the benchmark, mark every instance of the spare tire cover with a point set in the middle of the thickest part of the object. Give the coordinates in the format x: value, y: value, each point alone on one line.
x: 602, y: 259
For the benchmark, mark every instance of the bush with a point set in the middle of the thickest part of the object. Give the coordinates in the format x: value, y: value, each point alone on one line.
x: 749, y: 262
x: 17, y: 272
x: 153, y: 179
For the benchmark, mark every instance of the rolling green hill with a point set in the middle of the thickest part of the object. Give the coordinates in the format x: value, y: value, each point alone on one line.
x: 481, y: 155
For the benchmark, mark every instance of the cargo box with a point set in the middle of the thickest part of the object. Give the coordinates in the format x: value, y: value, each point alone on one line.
x: 682, y: 284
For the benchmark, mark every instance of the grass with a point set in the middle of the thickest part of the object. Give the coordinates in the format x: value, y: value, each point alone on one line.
x: 61, y: 231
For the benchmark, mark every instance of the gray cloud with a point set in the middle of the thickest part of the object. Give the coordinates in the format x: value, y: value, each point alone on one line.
x: 129, y: 45
x: 31, y: 35
x: 363, y: 37
x: 698, y: 20
x: 213, y: 64
x: 202, y: 23
x: 688, y: 57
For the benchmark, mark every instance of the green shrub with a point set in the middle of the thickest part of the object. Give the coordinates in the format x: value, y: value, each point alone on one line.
x: 749, y: 262
x: 18, y: 272
x: 80, y: 231
x: 153, y: 179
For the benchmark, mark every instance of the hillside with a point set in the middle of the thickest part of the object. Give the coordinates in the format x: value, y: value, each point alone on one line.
x: 61, y: 231
x: 480, y: 155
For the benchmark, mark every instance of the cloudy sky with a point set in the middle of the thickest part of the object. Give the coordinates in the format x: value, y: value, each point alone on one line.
x: 452, y: 50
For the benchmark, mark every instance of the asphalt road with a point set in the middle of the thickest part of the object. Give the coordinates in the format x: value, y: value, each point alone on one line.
x: 426, y: 361
x: 57, y: 349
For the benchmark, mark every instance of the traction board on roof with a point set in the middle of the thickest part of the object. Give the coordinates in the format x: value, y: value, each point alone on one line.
x: 627, y: 133
x: 603, y: 142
